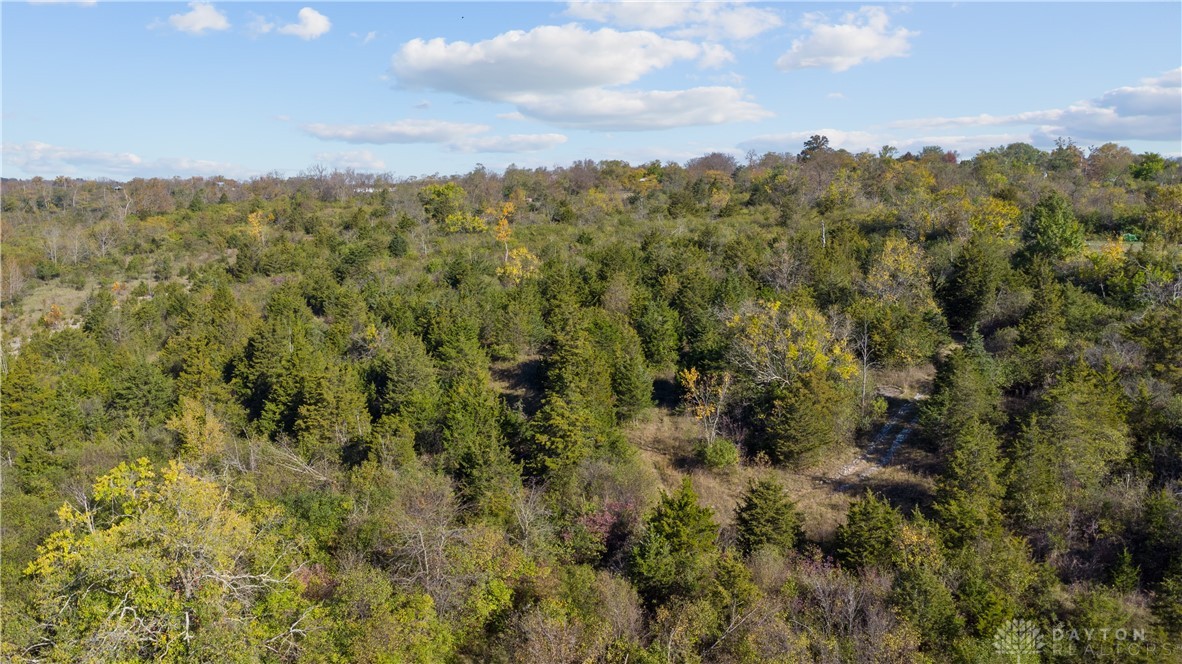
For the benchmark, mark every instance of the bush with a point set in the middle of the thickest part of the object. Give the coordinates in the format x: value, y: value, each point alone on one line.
x: 47, y: 270
x: 399, y: 245
x: 721, y: 454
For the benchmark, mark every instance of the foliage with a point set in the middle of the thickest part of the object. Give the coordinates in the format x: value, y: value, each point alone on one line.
x: 160, y: 567
x: 869, y: 534
x: 766, y: 517
x: 409, y: 439
x: 1053, y: 231
x: 676, y: 550
x: 774, y: 344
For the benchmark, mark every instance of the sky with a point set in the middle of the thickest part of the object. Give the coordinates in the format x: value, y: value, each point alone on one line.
x: 142, y: 89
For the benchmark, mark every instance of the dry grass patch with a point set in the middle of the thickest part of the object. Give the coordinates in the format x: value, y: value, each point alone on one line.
x: 520, y: 382
x: 906, y: 383
x: 822, y: 490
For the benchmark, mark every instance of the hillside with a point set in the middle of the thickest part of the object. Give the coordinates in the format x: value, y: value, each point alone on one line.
x: 817, y: 407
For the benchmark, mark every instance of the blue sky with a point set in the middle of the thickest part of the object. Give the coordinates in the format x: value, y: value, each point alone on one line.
x: 130, y: 89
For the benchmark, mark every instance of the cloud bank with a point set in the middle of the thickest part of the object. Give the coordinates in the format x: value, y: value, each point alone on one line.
x: 570, y: 76
x: 862, y: 36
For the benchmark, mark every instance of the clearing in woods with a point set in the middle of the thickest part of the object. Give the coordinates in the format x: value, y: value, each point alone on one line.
x: 889, y: 462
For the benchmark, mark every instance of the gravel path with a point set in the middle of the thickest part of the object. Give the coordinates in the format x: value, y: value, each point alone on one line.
x: 882, y: 447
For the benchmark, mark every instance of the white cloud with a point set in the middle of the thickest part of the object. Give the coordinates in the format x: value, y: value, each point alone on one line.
x: 511, y: 115
x: 715, y: 55
x: 835, y: 96
x: 862, y: 36
x: 1093, y: 122
x: 259, y: 25
x: 1159, y: 96
x: 455, y: 136
x: 510, y: 143
x: 1148, y: 111
x: 640, y: 110
x: 311, y: 25
x: 402, y: 131
x: 36, y: 158
x: 710, y: 20
x: 201, y: 16
x: 566, y: 75
x: 547, y: 59
x: 1170, y: 79
x: 358, y: 160
x: 982, y: 120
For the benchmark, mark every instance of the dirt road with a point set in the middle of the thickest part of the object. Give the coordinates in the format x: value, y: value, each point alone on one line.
x: 882, y: 448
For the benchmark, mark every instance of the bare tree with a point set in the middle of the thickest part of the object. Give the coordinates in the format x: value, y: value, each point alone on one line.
x: 14, y: 279
x: 104, y: 234
x: 76, y: 245
x: 861, y: 344
x: 51, y: 239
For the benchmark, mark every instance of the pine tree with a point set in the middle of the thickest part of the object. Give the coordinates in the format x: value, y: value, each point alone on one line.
x: 677, y: 548
x: 767, y: 517
x: 1053, y: 231
x: 1065, y: 452
x: 474, y: 449
x: 977, y: 273
x: 969, y: 492
x: 965, y: 393
x: 561, y: 435
x: 1042, y: 333
x: 870, y: 534
x: 402, y: 380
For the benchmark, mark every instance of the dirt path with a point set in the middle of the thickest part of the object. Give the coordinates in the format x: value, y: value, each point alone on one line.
x: 882, y: 448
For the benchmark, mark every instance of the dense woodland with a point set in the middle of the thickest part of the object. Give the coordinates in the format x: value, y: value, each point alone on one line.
x: 597, y: 413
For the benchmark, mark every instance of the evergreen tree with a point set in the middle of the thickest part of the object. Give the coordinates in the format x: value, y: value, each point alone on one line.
x: 677, y: 547
x: 965, y: 393
x: 805, y: 418
x: 969, y: 492
x: 870, y: 534
x: 474, y: 448
x: 402, y: 380
x: 767, y: 517
x: 1065, y: 452
x: 977, y: 272
x: 561, y: 435
x: 1053, y: 231
x: 1042, y: 333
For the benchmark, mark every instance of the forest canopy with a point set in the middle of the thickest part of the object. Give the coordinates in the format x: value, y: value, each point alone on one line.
x: 797, y: 407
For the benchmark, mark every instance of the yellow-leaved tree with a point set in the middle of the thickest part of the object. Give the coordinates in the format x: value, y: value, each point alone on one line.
x: 802, y: 373
x: 775, y: 344
x: 705, y: 399
x: 257, y: 223
x: 519, y: 266
x: 995, y: 217
x: 501, y: 230
x: 900, y: 322
x: 202, y: 435
x: 900, y: 274
x: 160, y: 566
